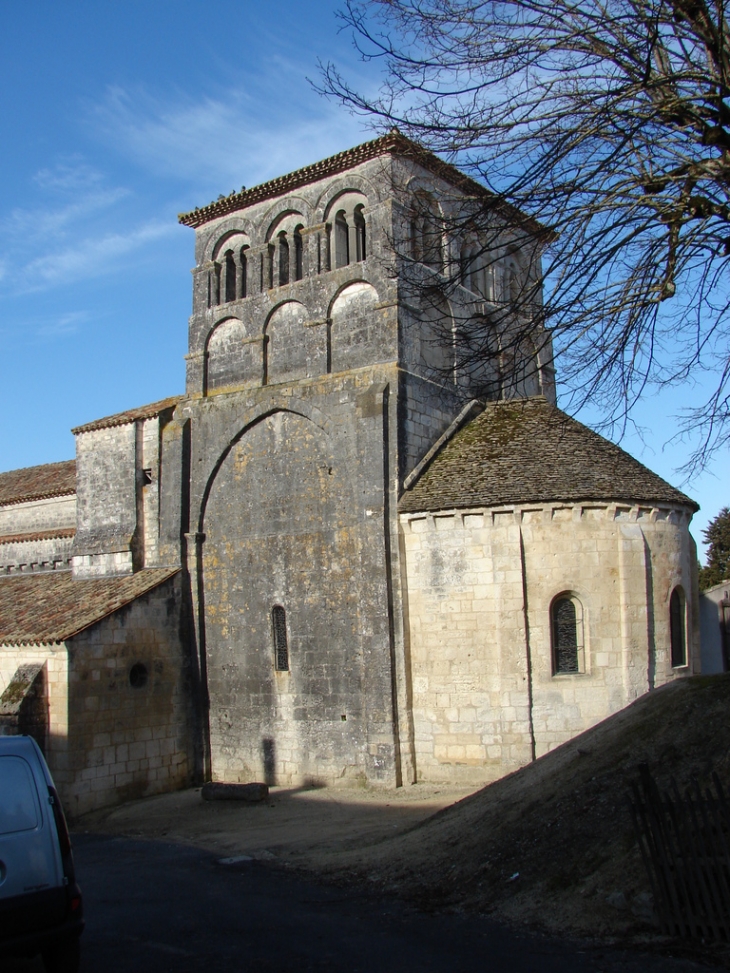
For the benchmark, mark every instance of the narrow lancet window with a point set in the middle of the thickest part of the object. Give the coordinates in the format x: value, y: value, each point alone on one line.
x: 230, y: 277
x: 283, y: 260
x: 567, y: 636
x: 677, y: 629
x: 214, y: 286
x: 342, y: 243
x: 298, y: 254
x: 244, y: 272
x: 360, y: 233
x: 281, y: 643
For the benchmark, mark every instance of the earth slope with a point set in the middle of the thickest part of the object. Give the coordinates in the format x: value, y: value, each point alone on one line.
x: 553, y: 844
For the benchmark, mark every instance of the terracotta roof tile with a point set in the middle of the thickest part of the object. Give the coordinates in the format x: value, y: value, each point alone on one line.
x: 393, y: 143
x: 51, y: 606
x: 131, y: 415
x: 527, y: 451
x: 55, y: 533
x: 38, y: 482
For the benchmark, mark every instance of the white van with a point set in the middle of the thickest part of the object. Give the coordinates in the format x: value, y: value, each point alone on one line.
x: 40, y: 902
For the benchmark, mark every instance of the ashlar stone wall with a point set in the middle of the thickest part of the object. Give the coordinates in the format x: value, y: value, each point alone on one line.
x: 118, y: 490
x: 480, y: 585
x: 291, y: 489
x: 128, y: 720
x: 37, y: 535
x: 54, y: 659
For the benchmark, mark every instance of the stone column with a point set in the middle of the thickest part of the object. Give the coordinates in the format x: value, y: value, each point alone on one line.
x: 351, y: 240
x: 240, y: 275
x: 194, y: 564
x: 223, y: 295
x: 258, y: 276
x: 312, y: 260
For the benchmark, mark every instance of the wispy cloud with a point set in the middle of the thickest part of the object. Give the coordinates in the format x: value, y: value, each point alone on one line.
x: 64, y: 237
x: 64, y: 325
x: 25, y: 227
x: 227, y: 140
x: 91, y: 257
x: 69, y: 175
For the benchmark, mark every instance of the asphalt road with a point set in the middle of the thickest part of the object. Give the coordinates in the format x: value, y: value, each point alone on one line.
x: 154, y: 907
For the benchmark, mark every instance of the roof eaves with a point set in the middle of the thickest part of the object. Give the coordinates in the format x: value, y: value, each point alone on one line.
x: 53, y: 534
x: 61, y: 634
x: 30, y: 497
x: 392, y: 143
x: 129, y: 416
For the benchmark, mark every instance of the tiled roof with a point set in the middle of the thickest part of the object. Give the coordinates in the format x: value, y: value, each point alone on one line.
x: 131, y: 415
x: 55, y: 533
x: 393, y: 143
x: 52, y: 607
x: 527, y: 451
x: 38, y: 482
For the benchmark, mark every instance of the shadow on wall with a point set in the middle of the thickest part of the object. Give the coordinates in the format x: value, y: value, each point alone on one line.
x: 24, y: 705
x: 268, y: 751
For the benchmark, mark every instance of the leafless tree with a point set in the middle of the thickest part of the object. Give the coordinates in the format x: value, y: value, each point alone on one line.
x: 608, y: 121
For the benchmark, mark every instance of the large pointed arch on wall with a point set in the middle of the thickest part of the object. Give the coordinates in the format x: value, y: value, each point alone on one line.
x: 243, y: 425
x: 278, y: 523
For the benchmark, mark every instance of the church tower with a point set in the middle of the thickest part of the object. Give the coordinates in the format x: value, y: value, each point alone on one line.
x: 318, y: 378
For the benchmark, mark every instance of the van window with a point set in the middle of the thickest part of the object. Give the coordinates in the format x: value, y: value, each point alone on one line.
x: 18, y: 796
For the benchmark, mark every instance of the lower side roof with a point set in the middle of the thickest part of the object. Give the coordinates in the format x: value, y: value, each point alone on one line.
x: 51, y: 606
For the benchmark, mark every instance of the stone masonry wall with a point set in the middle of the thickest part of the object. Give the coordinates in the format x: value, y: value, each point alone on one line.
x: 129, y: 728
x: 41, y: 554
x: 106, y: 501
x: 54, y: 659
x: 38, y: 515
x: 291, y: 491
x: 484, y: 692
x: 37, y: 535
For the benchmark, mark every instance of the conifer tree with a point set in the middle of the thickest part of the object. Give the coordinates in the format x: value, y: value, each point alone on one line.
x: 717, y: 536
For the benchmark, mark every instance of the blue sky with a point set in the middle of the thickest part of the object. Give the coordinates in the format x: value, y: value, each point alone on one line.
x: 116, y: 117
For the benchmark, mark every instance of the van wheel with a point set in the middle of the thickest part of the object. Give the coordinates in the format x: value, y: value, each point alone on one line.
x: 63, y: 957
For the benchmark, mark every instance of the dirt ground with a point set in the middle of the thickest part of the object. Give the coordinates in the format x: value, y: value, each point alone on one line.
x: 302, y: 827
x: 550, y: 847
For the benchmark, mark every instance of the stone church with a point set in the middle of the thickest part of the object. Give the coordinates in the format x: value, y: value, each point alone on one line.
x: 329, y: 560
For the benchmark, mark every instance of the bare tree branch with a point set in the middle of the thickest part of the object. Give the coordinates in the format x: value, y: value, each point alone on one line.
x: 607, y: 120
